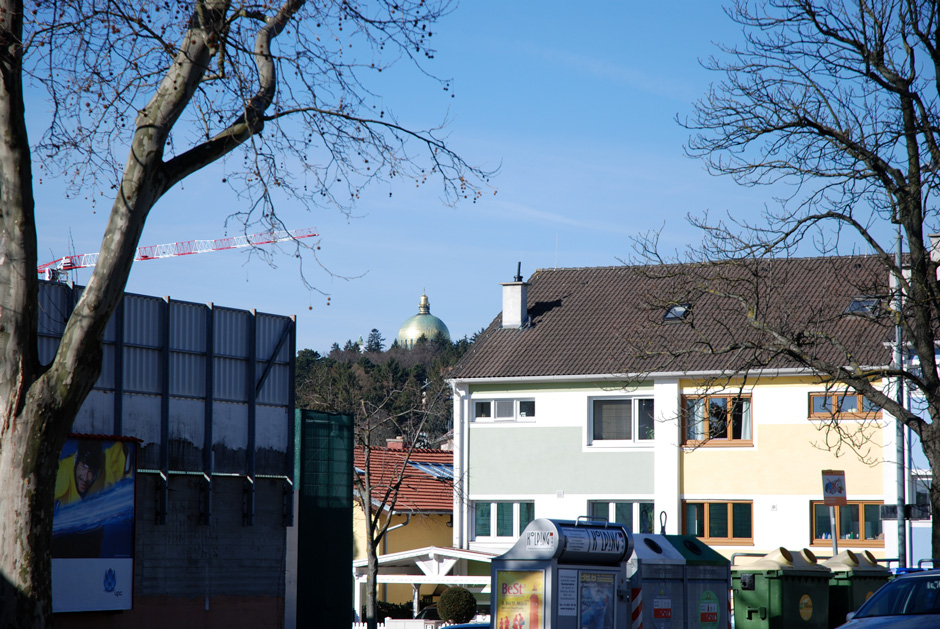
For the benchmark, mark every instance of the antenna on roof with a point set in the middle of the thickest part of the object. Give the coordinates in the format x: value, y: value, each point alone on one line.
x: 518, y: 277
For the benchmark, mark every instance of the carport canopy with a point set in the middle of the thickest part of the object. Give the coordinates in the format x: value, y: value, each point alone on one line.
x: 432, y: 565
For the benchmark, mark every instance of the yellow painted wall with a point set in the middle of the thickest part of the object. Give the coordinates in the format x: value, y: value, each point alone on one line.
x: 421, y: 531
x: 789, y: 448
x: 785, y: 462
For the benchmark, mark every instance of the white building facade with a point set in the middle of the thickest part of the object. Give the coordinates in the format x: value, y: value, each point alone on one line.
x: 734, y: 458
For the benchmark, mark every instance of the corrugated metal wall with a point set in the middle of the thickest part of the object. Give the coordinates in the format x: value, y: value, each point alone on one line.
x: 208, y: 389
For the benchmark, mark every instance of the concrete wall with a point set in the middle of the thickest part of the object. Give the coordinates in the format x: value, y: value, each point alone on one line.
x: 187, y: 574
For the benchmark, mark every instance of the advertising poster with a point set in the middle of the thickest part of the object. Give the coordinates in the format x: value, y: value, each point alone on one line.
x: 520, y: 599
x: 93, y: 526
x: 597, y: 600
x: 566, y: 597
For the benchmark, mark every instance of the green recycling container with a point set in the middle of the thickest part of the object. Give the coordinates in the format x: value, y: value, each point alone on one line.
x: 782, y: 590
x: 855, y: 577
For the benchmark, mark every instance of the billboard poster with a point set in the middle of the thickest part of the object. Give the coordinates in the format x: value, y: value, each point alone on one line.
x: 597, y: 600
x: 520, y: 599
x: 93, y: 526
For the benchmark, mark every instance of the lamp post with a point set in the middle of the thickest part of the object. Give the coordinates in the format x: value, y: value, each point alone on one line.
x: 899, y: 392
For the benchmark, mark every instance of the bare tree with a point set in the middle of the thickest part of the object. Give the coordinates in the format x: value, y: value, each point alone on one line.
x: 838, y: 104
x: 379, y: 487
x: 281, y: 87
x: 388, y: 400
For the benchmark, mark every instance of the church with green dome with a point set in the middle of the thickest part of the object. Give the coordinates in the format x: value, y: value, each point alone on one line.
x: 422, y: 324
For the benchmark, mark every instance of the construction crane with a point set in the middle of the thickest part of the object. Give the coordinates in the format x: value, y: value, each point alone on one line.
x: 57, y: 270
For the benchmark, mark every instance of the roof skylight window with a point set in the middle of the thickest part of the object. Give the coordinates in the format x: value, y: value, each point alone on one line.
x: 863, y: 306
x: 678, y: 312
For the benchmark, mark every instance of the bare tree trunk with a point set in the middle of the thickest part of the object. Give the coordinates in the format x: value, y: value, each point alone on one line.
x: 29, y: 462
x: 38, y: 406
x: 25, y: 490
x: 38, y: 403
x: 372, y: 587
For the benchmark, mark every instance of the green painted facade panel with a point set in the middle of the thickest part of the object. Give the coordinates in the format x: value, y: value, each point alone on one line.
x: 543, y: 460
x: 325, y: 537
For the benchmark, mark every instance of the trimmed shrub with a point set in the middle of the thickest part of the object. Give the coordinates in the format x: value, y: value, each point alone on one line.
x: 457, y: 604
x: 391, y: 610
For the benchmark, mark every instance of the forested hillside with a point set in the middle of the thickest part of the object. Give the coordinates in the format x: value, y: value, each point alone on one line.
x: 391, y: 392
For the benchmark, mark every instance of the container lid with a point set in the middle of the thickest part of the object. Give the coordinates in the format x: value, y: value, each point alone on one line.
x: 848, y: 561
x: 652, y: 548
x: 584, y: 541
x: 783, y: 561
x: 695, y: 552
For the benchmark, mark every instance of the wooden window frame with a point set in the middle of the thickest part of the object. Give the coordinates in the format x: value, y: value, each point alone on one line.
x: 719, y: 541
x: 721, y: 442
x: 849, y: 541
x: 832, y: 395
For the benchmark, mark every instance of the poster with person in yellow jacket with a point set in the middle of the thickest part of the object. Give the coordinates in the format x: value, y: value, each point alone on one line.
x: 91, y: 468
x: 93, y: 525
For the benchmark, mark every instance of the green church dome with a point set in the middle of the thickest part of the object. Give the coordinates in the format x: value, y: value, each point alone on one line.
x: 422, y: 324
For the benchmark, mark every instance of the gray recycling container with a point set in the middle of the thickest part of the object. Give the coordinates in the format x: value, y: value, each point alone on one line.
x: 656, y: 573
x: 563, y: 574
x: 707, y: 583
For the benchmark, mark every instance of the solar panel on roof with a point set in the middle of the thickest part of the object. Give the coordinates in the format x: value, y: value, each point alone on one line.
x: 442, y: 471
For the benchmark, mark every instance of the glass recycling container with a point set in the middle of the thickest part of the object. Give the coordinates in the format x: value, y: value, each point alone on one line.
x: 707, y: 584
x: 782, y: 590
x: 563, y: 574
x: 677, y: 582
x: 855, y: 577
x: 657, y: 590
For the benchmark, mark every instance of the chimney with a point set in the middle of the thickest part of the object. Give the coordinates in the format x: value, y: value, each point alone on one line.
x: 515, y: 301
x: 398, y: 443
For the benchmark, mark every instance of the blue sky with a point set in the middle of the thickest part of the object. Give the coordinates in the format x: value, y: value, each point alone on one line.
x: 574, y: 101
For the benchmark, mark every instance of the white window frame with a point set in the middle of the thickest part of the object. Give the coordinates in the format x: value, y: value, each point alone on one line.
x: 495, y: 401
x: 634, y: 441
x: 491, y: 535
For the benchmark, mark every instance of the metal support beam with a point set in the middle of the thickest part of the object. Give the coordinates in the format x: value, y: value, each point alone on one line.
x: 269, y: 364
x: 164, y: 500
x: 208, y: 439
x: 119, y: 369
x: 161, y: 496
x: 252, y: 417
x: 248, y: 502
x: 291, y: 426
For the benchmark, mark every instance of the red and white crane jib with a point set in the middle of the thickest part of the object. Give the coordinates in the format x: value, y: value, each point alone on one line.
x: 52, y: 270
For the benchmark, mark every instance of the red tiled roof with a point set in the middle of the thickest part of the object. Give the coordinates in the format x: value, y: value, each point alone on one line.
x: 609, y: 320
x: 419, y: 490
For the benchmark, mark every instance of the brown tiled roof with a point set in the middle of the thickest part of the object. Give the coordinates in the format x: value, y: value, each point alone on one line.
x: 419, y: 491
x: 609, y: 320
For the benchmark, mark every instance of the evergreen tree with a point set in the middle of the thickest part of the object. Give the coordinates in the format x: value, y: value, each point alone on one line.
x: 375, y: 342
